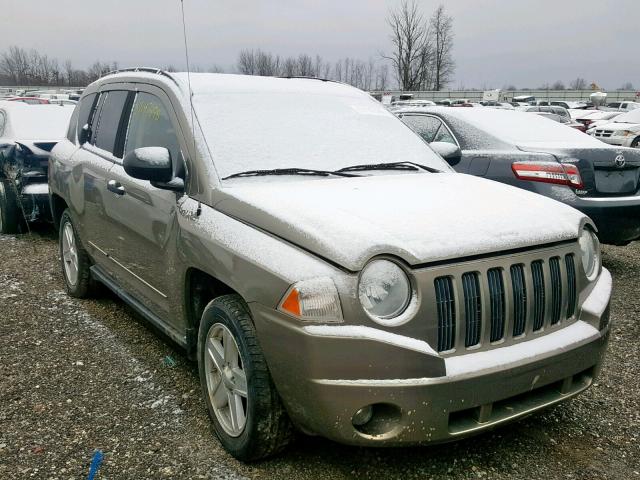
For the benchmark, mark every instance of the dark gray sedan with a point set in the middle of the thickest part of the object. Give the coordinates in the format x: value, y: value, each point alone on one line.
x: 545, y: 157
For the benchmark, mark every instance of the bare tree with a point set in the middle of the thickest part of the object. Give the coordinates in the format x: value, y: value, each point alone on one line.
x: 382, y: 77
x: 289, y: 67
x: 626, y: 86
x: 247, y: 62
x: 578, y: 84
x: 215, y: 68
x: 442, y: 30
x: 558, y: 85
x: 411, y: 39
x: 305, y: 66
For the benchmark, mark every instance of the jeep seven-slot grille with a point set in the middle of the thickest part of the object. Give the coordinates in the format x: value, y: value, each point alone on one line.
x: 525, y: 297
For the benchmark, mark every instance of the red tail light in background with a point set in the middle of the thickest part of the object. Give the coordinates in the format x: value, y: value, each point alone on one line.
x: 548, y: 172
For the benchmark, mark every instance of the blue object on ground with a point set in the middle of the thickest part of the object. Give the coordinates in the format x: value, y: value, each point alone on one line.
x: 96, y: 461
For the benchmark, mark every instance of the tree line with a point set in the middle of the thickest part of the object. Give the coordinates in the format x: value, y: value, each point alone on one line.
x: 421, y: 59
x: 366, y: 75
x: 19, y: 66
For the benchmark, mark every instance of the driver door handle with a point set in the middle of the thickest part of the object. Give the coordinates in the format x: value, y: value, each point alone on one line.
x: 115, y: 187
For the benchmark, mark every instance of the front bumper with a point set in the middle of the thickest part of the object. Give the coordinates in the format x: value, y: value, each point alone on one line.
x: 324, y: 377
x: 619, y: 141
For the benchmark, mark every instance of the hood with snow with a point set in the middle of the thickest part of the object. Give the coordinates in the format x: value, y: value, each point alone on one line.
x: 420, y: 218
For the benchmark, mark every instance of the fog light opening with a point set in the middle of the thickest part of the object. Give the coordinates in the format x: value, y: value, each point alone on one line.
x: 378, y: 419
x: 362, y: 416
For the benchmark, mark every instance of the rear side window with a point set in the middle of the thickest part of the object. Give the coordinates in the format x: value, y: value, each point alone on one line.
x: 106, y: 131
x: 85, y: 110
x: 150, y: 126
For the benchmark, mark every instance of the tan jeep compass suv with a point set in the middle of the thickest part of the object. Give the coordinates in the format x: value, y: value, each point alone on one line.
x: 327, y: 269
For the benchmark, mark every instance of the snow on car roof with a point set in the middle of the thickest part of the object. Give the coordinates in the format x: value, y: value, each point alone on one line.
x: 523, y: 129
x: 36, y: 122
x: 629, y: 117
x: 225, y: 83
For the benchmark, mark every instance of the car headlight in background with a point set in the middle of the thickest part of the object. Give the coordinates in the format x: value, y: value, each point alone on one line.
x: 590, y: 248
x: 624, y: 133
x: 384, y: 290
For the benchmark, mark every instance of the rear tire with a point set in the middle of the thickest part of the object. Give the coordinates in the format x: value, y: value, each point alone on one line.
x: 74, y: 260
x: 10, y: 214
x: 263, y: 427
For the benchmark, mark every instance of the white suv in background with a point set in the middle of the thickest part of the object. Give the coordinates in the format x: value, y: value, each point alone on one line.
x: 624, y: 130
x: 623, y: 106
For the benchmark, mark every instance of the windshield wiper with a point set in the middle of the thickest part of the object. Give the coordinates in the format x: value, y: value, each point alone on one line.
x: 290, y: 171
x: 407, y: 166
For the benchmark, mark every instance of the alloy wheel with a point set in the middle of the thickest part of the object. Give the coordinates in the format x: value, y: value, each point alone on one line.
x: 226, y: 379
x: 70, y: 254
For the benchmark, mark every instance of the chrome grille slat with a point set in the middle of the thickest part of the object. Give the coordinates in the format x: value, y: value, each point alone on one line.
x: 446, y: 313
x: 538, y: 294
x: 496, y: 297
x: 519, y: 299
x: 472, y: 308
x: 556, y: 290
x: 571, y: 282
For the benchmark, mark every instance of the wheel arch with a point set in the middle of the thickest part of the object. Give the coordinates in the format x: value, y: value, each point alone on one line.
x: 200, y: 288
x: 58, y: 205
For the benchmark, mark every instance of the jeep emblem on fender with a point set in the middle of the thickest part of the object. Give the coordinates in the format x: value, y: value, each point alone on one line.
x: 620, y: 161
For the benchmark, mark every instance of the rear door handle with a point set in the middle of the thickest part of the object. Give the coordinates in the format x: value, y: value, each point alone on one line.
x: 115, y: 187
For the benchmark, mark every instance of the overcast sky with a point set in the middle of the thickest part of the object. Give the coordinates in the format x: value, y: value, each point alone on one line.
x: 498, y: 42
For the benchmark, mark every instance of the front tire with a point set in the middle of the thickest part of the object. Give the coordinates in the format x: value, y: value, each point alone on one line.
x: 74, y: 260
x: 9, y: 208
x: 245, y: 408
x: 635, y: 143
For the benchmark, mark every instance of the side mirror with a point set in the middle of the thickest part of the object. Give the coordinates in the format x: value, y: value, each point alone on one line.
x: 85, y: 134
x: 450, y: 152
x: 149, y: 163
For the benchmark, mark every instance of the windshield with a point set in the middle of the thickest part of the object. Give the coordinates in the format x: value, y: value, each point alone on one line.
x: 629, y: 117
x: 313, y: 130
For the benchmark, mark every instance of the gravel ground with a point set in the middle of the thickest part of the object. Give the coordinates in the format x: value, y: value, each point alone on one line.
x: 76, y: 376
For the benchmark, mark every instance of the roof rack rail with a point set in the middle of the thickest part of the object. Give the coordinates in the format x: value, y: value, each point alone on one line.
x: 310, y: 78
x: 157, y: 71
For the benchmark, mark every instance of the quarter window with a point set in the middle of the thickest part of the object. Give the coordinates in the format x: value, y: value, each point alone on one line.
x: 3, y: 120
x: 107, y: 129
x: 443, y: 135
x: 150, y: 126
x: 423, y: 125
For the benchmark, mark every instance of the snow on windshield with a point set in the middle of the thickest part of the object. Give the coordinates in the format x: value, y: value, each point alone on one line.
x: 630, y: 117
x: 524, y: 129
x: 38, y: 122
x: 254, y: 123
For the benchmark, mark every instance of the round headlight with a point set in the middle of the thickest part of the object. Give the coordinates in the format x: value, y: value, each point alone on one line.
x: 384, y: 289
x: 589, y: 247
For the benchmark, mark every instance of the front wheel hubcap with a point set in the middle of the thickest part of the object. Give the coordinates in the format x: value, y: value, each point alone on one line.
x: 226, y: 379
x: 69, y: 254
